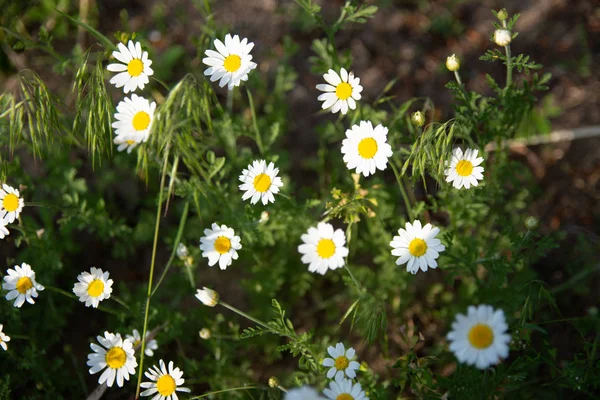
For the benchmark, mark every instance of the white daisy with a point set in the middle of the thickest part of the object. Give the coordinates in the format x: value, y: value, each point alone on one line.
x: 418, y: 246
x: 343, y: 389
x: 135, y: 68
x: 207, y: 296
x: 136, y: 339
x: 231, y: 63
x: 341, y: 91
x: 126, y: 144
x: 463, y: 170
x: 502, y: 37
x: 164, y: 383
x: 93, y: 287
x: 134, y: 118
x: 341, y: 362
x: 302, y: 393
x: 3, y: 230
x: 11, y: 204
x: 220, y: 244
x: 260, y: 182
x: 480, y: 337
x: 116, y: 355
x: 4, y: 338
x: 366, y: 148
x: 21, y: 284
x: 323, y: 248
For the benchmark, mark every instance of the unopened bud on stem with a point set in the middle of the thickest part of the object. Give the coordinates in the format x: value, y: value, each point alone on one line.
x: 452, y: 63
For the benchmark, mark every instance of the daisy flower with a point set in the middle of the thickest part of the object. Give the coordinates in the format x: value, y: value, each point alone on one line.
x: 341, y: 91
x: 260, y: 182
x: 135, y: 68
x: 343, y: 389
x: 463, y: 170
x: 365, y: 148
x: 341, y: 362
x: 3, y: 230
x: 220, y: 244
x: 164, y: 383
x: 134, y: 119
x: 11, y: 204
x: 93, y: 287
x: 231, y: 63
x: 323, y: 248
x: 418, y: 246
x: 126, y: 144
x: 502, y: 37
x: 136, y: 339
x: 21, y: 284
x: 3, y: 338
x: 207, y: 296
x: 302, y: 393
x: 480, y: 337
x: 116, y: 355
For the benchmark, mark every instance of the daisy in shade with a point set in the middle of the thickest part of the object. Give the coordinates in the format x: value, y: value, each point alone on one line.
x: 260, y: 182
x: 93, y: 287
x: 114, y: 354
x: 343, y: 389
x: 135, y: 68
x: 126, y: 144
x: 21, y: 284
x: 3, y: 338
x: 134, y: 118
x: 302, y: 393
x: 220, y: 244
x: 11, y: 203
x: 365, y: 148
x: 464, y: 169
x: 164, y: 382
x: 3, y: 230
x: 341, y: 91
x: 341, y: 362
x: 136, y: 339
x: 479, y: 338
x: 323, y: 248
x: 418, y: 246
x: 231, y: 63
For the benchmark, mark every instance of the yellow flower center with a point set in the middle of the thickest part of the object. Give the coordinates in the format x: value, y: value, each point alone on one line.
x: 116, y: 357
x: 10, y: 202
x: 232, y: 63
x: 130, y: 142
x: 417, y: 247
x: 481, y: 336
x: 344, y: 396
x: 325, y: 248
x: 262, y: 182
x: 367, y: 147
x: 24, y: 284
x: 222, y: 244
x: 166, y: 385
x: 140, y: 121
x: 95, y: 288
x: 135, y: 67
x: 341, y: 363
x: 464, y: 168
x: 137, y: 343
x: 343, y: 91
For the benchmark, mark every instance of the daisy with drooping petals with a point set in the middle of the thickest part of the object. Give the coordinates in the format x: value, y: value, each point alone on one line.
x: 3, y: 230
x: 231, y: 63
x: 135, y: 68
x: 164, y: 382
x: 93, y: 287
x: 260, y: 182
x: 323, y: 248
x: 3, y: 338
x: 464, y: 170
x: 21, y: 284
x: 207, y: 296
x: 11, y: 204
x: 343, y: 389
x: 365, y: 148
x: 116, y: 355
x: 479, y: 338
x: 220, y: 244
x: 136, y: 339
x: 418, y: 246
x: 341, y: 91
x: 341, y: 362
x: 126, y: 144
x: 134, y: 119
x: 302, y: 393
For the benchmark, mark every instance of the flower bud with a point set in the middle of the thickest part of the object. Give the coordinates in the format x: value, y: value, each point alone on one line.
x: 417, y: 119
x: 205, y: 333
x: 208, y: 297
x: 502, y: 14
x: 182, y: 251
x: 502, y: 37
x: 531, y: 223
x: 273, y: 382
x: 452, y: 63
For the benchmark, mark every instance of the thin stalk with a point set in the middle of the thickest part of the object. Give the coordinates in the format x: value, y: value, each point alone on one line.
x: 152, y: 262
x: 224, y: 391
x: 243, y: 314
x: 402, y: 190
x: 353, y: 278
x: 457, y: 76
x: 230, y: 101
x: 121, y: 302
x: 509, y: 66
x: 348, y: 237
x: 72, y: 296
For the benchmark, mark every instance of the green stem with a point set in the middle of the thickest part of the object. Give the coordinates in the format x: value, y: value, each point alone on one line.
x: 402, y: 191
x: 348, y: 237
x: 251, y: 318
x: 457, y: 76
x: 230, y: 101
x: 224, y: 391
x: 121, y: 302
x: 353, y: 278
x: 152, y: 262
x: 72, y: 296
x: 509, y: 66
